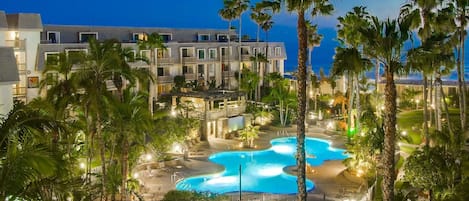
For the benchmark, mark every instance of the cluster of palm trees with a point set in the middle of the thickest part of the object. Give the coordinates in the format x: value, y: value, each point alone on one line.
x: 84, y: 136
x: 365, y: 38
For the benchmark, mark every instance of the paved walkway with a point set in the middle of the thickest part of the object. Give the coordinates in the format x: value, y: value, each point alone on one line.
x: 331, y: 184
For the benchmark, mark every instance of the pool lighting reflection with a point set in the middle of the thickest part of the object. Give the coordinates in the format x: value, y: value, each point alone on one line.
x: 283, y: 149
x: 270, y: 171
x: 223, y: 180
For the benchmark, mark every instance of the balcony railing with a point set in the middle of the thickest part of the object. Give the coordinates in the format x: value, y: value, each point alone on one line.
x: 164, y: 79
x: 231, y: 111
x: 188, y: 59
x: 19, y: 92
x: 165, y: 60
x: 228, y: 73
x: 17, y: 44
x: 190, y: 76
x: 22, y: 68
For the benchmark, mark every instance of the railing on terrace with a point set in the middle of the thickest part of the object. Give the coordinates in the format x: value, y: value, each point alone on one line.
x: 18, y: 44
x: 188, y: 59
x: 19, y: 92
x: 164, y: 79
x: 22, y: 68
x: 190, y: 76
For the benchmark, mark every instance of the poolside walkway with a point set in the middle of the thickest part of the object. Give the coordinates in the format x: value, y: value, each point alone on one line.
x: 330, y: 181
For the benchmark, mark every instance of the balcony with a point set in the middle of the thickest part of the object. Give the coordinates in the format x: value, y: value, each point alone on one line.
x: 164, y: 79
x: 228, y: 73
x: 17, y: 44
x: 22, y: 68
x: 231, y: 111
x: 165, y: 60
x: 19, y: 92
x: 191, y: 76
x: 188, y: 59
x: 246, y: 57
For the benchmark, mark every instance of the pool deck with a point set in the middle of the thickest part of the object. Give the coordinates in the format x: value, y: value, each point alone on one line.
x: 330, y: 181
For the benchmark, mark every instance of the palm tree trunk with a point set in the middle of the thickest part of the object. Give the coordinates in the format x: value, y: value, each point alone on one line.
x: 257, y: 64
x: 102, y: 150
x: 227, y: 52
x: 350, y: 105
x: 125, y: 159
x: 239, y: 52
x: 389, y: 136
x: 377, y: 75
x: 300, y: 130
x: 445, y: 105
x: 357, y: 96
x: 425, y: 110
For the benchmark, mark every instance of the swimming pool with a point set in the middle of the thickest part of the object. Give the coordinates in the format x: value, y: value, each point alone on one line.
x: 262, y: 171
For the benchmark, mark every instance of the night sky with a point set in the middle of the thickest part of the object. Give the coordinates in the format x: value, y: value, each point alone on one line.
x: 195, y: 14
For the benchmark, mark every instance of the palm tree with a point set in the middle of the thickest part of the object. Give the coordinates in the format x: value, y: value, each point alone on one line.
x: 102, y: 63
x: 240, y: 6
x: 385, y: 41
x: 282, y: 96
x: 25, y: 158
x: 129, y: 118
x: 318, y: 7
x: 228, y: 13
x: 152, y: 42
x: 461, y: 17
x: 349, y: 61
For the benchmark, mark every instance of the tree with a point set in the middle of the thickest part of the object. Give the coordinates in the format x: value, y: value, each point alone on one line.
x: 349, y: 61
x: 318, y: 7
x: 249, y: 83
x: 152, y: 42
x: 384, y: 41
x: 249, y: 134
x: 129, y: 120
x: 282, y: 96
x: 24, y: 158
x: 228, y: 13
x: 102, y: 63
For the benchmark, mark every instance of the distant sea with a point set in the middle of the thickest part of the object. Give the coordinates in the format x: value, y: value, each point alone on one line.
x: 323, y: 55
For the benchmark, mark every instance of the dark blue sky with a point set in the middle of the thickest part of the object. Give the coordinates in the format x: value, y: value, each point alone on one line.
x: 194, y: 14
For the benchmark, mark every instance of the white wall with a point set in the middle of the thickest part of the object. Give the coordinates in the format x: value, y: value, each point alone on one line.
x: 6, y: 98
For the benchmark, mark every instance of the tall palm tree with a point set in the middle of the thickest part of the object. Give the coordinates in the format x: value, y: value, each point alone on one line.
x: 317, y: 7
x: 102, y: 63
x: 349, y: 61
x: 385, y: 41
x: 152, y: 42
x: 282, y: 96
x: 240, y: 6
x: 314, y: 40
x: 461, y: 17
x: 350, y: 36
x: 129, y: 118
x: 228, y: 13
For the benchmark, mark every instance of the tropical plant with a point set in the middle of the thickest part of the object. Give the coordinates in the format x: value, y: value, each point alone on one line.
x: 317, y: 7
x: 385, y: 40
x: 249, y: 134
x: 282, y: 96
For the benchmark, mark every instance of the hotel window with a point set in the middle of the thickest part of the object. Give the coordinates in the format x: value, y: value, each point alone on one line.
x: 84, y: 37
x: 212, y: 53
x: 222, y: 37
x: 203, y: 37
x: 146, y: 54
x: 225, y: 67
x: 52, y: 78
x: 163, y: 71
x: 200, y: 69
x: 53, y: 36
x: 187, y: 70
x: 164, y: 53
x: 75, y: 56
x: 278, y: 51
x: 166, y: 37
x: 200, y: 54
x: 186, y: 52
x: 211, y: 70
x: 224, y: 51
x: 139, y: 36
x: 52, y: 58
x: 244, y: 50
x: 131, y: 56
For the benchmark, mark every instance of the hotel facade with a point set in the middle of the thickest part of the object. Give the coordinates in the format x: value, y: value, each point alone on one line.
x: 204, y: 55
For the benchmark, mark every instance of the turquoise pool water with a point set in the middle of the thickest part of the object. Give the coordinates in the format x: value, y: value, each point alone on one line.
x: 262, y: 171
